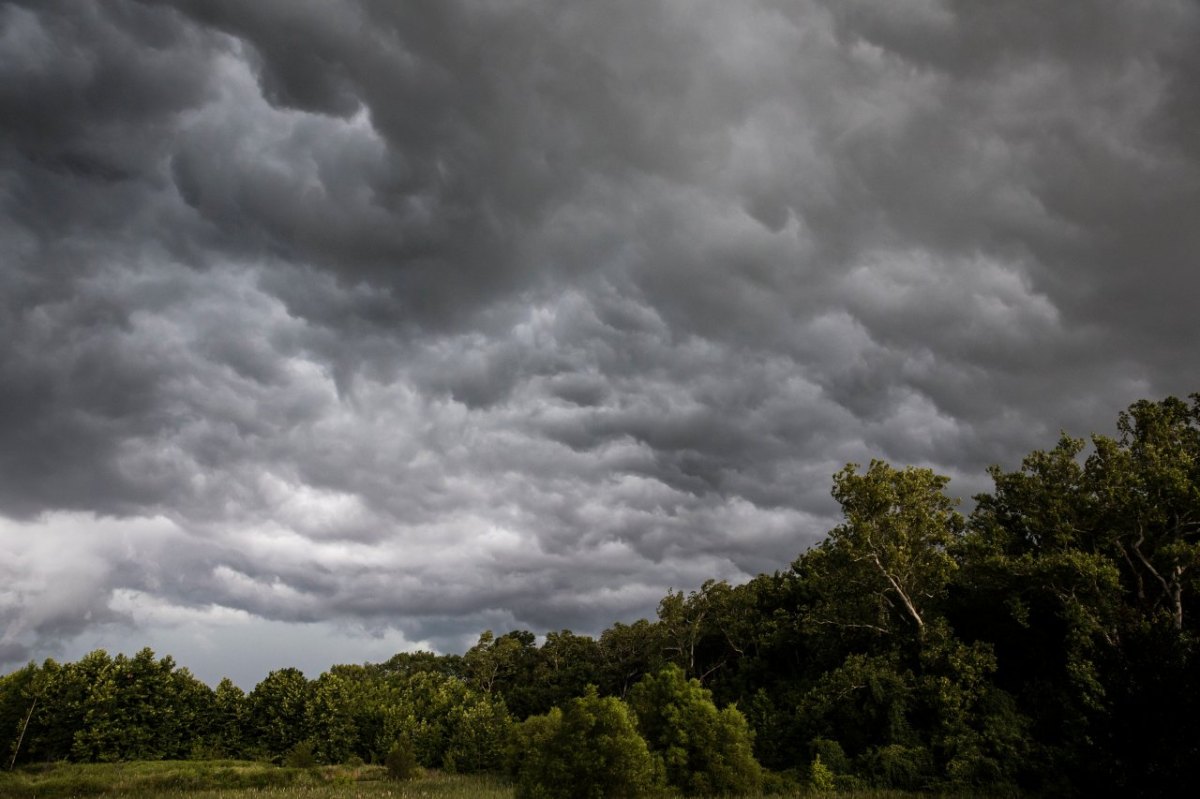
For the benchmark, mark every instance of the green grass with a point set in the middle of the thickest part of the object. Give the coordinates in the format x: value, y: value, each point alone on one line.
x: 235, y: 779
x: 232, y: 779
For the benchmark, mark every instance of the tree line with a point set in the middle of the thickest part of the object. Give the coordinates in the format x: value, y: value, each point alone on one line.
x: 1045, y: 643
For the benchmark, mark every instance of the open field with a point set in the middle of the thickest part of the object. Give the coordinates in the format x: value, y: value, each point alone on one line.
x: 233, y: 779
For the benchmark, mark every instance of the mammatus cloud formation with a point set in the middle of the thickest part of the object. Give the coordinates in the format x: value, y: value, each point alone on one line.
x: 335, y: 328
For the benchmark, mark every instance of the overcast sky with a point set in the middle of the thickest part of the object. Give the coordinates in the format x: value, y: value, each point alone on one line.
x: 331, y: 329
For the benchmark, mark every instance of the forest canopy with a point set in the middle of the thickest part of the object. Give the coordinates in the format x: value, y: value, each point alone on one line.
x: 1045, y: 642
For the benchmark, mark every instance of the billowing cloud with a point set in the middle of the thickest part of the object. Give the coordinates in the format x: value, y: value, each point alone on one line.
x: 385, y: 323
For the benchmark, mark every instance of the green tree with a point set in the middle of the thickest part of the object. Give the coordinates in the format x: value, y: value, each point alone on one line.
x: 189, y: 722
x: 18, y: 699
x: 330, y: 714
x: 228, y: 717
x: 278, y: 712
x: 102, y: 708
x: 450, y: 724
x: 58, y: 714
x: 973, y: 729
x: 865, y: 703
x: 892, y: 551
x: 591, y: 750
x: 480, y: 728
x: 406, y: 663
x: 506, y: 666
x: 681, y: 620
x: 707, y: 632
x: 628, y: 652
x: 566, y: 664
x: 93, y: 683
x: 704, y: 750
x: 154, y: 709
x: 1148, y: 483
x: 1036, y: 582
x: 1081, y: 573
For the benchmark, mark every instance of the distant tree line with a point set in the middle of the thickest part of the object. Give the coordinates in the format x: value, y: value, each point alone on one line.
x: 1045, y: 643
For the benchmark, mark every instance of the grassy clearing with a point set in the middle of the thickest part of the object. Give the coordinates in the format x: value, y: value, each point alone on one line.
x: 235, y: 779
x: 232, y: 779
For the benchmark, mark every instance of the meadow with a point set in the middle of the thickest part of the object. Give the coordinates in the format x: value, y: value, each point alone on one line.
x: 236, y: 779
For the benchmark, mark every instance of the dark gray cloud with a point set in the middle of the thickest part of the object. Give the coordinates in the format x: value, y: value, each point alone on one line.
x: 381, y: 322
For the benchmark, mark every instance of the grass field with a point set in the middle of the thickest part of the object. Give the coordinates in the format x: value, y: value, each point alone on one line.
x: 234, y: 779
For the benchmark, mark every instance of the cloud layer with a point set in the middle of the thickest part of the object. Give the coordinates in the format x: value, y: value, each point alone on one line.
x: 405, y: 320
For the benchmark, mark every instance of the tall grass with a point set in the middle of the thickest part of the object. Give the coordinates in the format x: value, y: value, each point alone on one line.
x: 170, y: 778
x: 234, y: 779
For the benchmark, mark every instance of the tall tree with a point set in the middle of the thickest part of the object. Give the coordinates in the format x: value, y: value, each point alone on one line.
x: 891, y: 554
x: 566, y: 664
x: 1148, y: 483
x: 227, y: 719
x: 628, y: 652
x: 18, y: 700
x: 278, y: 717
x: 506, y: 666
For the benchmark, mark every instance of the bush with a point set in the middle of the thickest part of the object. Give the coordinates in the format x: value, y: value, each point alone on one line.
x: 401, y: 761
x: 301, y: 756
x: 831, y: 754
x: 781, y: 783
x: 704, y: 750
x: 820, y: 776
x: 896, y: 766
x: 590, y: 751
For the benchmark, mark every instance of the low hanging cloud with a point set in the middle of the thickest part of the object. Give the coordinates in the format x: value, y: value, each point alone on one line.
x: 384, y: 323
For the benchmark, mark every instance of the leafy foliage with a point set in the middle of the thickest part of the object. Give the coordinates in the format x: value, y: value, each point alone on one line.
x: 278, y: 708
x: 892, y: 553
x: 301, y: 756
x: 591, y: 750
x: 704, y: 750
x: 401, y: 761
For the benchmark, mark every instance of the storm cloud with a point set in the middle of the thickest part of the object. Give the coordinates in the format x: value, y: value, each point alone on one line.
x: 369, y: 325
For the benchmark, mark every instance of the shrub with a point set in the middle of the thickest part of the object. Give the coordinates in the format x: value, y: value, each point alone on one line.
x: 820, y: 776
x: 781, y: 783
x: 704, y: 750
x: 831, y: 754
x: 896, y: 766
x: 401, y: 761
x: 590, y: 751
x: 301, y: 756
